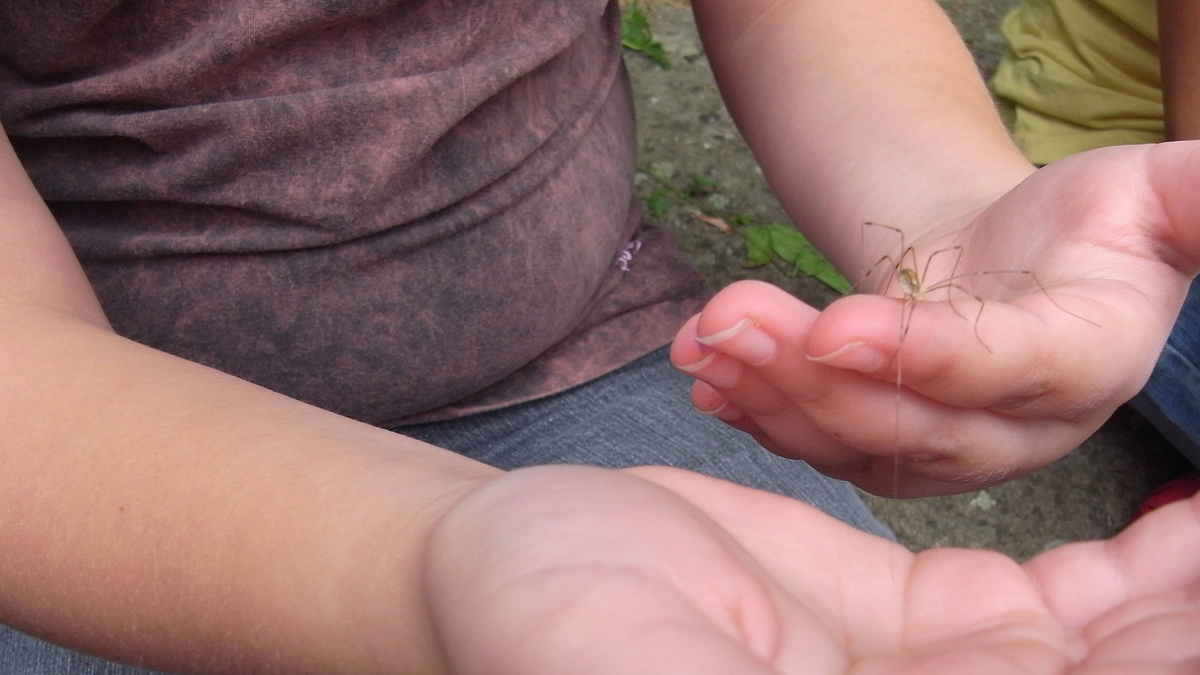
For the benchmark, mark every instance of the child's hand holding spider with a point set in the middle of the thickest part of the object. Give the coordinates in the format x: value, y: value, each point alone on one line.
x: 1050, y: 309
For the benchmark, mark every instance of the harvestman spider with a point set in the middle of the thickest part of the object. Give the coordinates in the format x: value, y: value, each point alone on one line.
x: 903, y: 270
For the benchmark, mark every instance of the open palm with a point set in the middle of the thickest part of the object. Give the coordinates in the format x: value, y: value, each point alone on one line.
x: 579, y: 570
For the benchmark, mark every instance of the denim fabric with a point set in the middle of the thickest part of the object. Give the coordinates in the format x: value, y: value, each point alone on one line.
x: 635, y: 416
x: 24, y: 655
x: 1171, y: 398
x: 639, y: 415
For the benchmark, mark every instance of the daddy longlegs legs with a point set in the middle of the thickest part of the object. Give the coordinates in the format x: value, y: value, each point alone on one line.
x: 915, y: 287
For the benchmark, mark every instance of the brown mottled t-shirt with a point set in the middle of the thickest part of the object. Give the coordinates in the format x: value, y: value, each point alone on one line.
x: 397, y: 210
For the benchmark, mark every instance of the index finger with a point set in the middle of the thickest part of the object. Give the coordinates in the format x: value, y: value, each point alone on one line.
x: 1039, y: 356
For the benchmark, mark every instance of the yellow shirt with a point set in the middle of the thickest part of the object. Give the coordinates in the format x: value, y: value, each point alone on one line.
x: 1081, y: 74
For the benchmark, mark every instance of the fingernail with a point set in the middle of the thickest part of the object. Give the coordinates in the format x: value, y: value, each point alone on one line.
x: 698, y: 365
x: 727, y: 374
x: 724, y: 412
x: 853, y: 356
x: 744, y: 341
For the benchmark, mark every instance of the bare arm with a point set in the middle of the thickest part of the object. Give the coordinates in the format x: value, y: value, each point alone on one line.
x: 872, y: 110
x: 860, y: 110
x: 1179, y: 54
x: 158, y: 511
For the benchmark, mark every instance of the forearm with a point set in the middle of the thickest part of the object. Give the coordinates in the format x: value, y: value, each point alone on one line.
x: 860, y: 110
x: 188, y: 517
x: 1179, y: 56
x: 155, y: 510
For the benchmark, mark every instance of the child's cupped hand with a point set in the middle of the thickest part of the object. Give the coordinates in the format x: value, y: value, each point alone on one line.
x: 1065, y: 291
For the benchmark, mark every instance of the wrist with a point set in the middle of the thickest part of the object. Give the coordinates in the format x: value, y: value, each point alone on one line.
x: 905, y: 237
x: 387, y: 593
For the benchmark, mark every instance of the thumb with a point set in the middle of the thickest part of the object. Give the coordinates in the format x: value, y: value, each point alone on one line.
x: 1174, y: 180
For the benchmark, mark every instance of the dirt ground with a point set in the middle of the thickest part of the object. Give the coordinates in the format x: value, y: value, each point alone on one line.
x: 685, y: 133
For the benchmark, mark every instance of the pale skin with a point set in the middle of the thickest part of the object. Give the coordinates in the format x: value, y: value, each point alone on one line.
x: 971, y: 413
x: 158, y: 512
x: 756, y: 583
x: 1109, y: 235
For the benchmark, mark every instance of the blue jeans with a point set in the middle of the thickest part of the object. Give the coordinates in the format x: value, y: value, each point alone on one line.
x: 1171, y: 399
x: 637, y: 415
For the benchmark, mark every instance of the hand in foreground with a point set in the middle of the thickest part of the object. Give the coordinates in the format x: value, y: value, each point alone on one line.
x: 1099, y: 250
x: 660, y: 571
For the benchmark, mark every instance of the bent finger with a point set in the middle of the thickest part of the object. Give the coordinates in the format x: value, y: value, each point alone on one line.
x: 860, y: 427
x: 1038, y: 356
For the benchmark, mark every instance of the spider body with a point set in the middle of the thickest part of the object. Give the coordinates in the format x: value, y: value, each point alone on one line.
x: 914, y: 286
x: 910, y: 283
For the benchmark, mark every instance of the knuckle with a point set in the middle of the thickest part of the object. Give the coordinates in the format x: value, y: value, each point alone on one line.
x: 1032, y: 389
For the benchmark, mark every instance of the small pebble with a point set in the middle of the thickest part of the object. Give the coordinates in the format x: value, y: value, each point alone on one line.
x: 983, y: 501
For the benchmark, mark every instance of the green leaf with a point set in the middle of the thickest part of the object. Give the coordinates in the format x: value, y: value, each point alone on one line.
x: 656, y: 53
x: 788, y: 244
x: 701, y: 187
x: 758, y: 245
x: 658, y: 202
x: 636, y: 35
x: 635, y: 27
